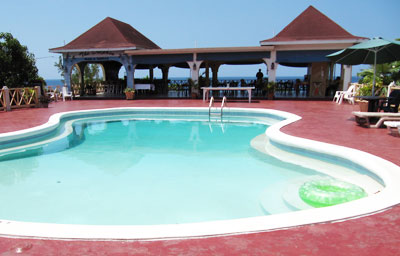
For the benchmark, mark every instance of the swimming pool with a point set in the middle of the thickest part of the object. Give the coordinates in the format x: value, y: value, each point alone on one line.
x: 217, y: 174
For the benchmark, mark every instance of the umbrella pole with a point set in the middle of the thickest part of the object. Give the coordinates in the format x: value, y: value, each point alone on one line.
x: 373, y: 81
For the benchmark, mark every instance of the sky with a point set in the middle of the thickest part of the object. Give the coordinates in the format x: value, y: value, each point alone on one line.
x: 171, y: 24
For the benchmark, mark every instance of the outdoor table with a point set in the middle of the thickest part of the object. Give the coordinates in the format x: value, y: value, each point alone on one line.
x: 207, y: 89
x: 145, y: 87
x: 373, y: 102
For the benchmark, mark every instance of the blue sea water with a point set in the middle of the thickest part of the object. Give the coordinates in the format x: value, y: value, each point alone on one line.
x: 53, y: 82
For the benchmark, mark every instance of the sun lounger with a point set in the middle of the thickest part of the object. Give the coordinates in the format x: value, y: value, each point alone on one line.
x: 375, y: 119
x: 393, y: 127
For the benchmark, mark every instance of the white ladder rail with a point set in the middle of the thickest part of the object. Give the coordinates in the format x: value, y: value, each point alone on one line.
x: 223, y: 104
x: 210, y: 106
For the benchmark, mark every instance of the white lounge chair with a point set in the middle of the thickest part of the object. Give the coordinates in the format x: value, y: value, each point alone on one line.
x: 393, y: 127
x: 66, y: 94
x: 347, y: 95
x: 364, y: 118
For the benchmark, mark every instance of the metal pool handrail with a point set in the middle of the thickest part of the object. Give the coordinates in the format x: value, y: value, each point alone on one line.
x: 223, y: 104
x: 210, y: 106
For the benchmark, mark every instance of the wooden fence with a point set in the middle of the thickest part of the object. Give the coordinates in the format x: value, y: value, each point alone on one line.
x: 14, y: 98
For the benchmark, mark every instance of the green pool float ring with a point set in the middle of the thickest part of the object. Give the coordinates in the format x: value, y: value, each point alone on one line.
x: 327, y: 192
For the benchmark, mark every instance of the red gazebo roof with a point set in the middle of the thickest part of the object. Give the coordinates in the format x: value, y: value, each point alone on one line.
x: 312, y: 25
x: 109, y: 34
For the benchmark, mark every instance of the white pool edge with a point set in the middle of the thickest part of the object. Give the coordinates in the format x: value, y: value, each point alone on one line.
x: 387, y: 171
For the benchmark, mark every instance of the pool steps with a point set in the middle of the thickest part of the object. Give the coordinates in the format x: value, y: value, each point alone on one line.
x: 221, y: 110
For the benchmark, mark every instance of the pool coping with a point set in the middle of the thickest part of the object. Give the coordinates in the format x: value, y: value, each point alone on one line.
x: 388, y: 171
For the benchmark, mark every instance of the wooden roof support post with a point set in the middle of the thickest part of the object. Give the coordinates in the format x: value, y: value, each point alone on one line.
x: 151, y: 73
x: 272, y: 65
x: 82, y: 66
x: 165, y: 70
x: 207, y: 74
x: 331, y: 71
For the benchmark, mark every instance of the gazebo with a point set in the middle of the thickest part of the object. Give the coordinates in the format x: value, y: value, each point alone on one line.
x: 105, y: 44
x: 305, y: 42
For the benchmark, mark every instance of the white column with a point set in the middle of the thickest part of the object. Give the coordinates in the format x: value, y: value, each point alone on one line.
x: 194, y: 69
x: 272, y: 65
x: 130, y: 75
x: 67, y: 78
x: 130, y: 70
x: 67, y: 66
x: 346, y: 75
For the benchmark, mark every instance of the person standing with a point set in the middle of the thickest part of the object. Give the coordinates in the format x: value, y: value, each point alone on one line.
x: 259, y: 76
x: 259, y: 81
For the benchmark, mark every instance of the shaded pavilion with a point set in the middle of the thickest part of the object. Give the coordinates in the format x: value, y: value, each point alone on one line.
x: 104, y: 44
x: 196, y: 58
x: 305, y: 42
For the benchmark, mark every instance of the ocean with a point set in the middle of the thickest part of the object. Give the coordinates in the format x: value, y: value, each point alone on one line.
x: 354, y: 79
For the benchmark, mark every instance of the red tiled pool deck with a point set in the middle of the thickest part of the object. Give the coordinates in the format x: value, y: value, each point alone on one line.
x: 377, y: 234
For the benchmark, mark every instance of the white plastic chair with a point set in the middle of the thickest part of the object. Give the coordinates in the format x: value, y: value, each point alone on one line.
x: 52, y: 93
x: 66, y: 94
x: 338, y: 95
x: 347, y: 95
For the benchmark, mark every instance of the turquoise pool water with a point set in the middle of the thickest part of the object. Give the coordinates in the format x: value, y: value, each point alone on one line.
x: 141, y: 172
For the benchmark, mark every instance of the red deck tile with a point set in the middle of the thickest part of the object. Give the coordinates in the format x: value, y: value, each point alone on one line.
x: 377, y: 234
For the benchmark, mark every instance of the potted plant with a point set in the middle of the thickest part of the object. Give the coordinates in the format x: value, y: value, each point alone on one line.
x: 44, y: 101
x: 364, y: 90
x: 268, y: 89
x: 270, y: 86
x: 129, y: 93
x: 194, y: 86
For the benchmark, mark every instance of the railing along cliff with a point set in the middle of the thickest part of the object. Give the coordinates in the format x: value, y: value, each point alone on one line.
x: 14, y: 98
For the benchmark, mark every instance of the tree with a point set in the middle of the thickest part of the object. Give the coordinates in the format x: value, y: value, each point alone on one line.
x: 17, y: 65
x: 395, y: 71
x: 383, y: 74
x: 92, y: 72
x: 60, y: 68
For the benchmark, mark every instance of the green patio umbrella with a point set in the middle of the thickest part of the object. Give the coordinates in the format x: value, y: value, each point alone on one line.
x: 374, y: 51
